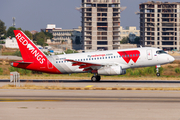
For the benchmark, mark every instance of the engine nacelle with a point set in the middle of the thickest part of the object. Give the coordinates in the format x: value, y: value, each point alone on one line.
x: 112, y: 70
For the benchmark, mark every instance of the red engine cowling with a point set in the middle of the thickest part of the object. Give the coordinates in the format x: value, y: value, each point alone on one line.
x: 112, y: 70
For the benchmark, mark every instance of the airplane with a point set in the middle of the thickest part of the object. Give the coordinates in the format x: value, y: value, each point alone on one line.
x: 111, y: 62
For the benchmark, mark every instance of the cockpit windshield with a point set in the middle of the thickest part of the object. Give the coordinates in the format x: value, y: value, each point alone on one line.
x: 161, y: 52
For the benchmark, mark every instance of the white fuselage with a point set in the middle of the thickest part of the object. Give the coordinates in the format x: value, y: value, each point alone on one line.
x: 146, y: 57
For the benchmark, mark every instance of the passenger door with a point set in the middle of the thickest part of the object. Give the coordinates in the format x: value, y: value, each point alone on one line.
x: 149, y: 54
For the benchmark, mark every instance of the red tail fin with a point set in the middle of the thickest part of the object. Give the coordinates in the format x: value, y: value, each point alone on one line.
x: 28, y: 49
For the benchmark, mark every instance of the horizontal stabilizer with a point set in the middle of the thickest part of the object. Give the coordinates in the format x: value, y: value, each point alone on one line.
x: 24, y: 62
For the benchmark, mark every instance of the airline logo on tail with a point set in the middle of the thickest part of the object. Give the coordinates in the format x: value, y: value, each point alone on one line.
x: 33, y: 51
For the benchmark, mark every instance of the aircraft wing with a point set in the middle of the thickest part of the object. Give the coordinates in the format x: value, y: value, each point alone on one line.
x: 84, y: 65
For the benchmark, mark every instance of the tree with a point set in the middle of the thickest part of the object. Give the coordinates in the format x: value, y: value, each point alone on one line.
x: 48, y: 35
x: 28, y: 34
x: 2, y: 29
x: 40, y: 42
x: 19, y: 29
x: 10, y: 31
x: 125, y: 40
x: 2, y: 42
x: 40, y: 37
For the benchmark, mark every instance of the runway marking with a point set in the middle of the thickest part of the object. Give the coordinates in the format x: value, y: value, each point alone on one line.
x: 89, y: 86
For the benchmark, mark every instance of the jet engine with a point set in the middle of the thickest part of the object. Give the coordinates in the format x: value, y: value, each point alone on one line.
x: 111, y: 70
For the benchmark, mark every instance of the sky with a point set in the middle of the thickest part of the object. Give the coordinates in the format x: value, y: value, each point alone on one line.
x: 36, y: 14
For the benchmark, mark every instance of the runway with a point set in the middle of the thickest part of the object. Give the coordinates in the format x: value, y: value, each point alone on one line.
x: 103, y: 83
x: 96, y: 105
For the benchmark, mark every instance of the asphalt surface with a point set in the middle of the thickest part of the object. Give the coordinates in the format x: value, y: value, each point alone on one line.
x: 177, y: 57
x: 89, y: 105
x: 103, y: 83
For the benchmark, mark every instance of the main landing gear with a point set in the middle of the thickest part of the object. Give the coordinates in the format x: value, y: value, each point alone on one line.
x: 157, y: 70
x: 95, y: 78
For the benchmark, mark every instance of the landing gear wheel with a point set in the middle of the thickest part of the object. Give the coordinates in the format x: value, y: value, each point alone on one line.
x: 157, y: 70
x: 98, y: 78
x: 158, y: 74
x: 95, y: 78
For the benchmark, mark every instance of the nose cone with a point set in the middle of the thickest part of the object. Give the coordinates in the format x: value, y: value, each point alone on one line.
x: 171, y: 58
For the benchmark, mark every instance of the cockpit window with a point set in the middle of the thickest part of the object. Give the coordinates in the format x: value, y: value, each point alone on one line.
x: 161, y: 52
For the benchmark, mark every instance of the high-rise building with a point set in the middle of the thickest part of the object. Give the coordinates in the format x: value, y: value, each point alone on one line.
x: 160, y: 24
x: 101, y: 24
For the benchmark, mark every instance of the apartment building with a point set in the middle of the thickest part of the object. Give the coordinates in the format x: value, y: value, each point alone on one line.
x: 130, y: 32
x: 160, y: 24
x: 101, y: 24
x: 68, y: 38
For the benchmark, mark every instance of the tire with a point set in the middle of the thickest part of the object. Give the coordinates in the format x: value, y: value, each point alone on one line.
x: 158, y: 74
x: 98, y: 78
x: 93, y: 79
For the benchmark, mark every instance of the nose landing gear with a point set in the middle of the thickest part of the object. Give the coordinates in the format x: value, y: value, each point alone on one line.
x: 95, y: 78
x: 157, y: 70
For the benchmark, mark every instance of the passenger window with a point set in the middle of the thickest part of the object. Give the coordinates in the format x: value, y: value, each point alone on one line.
x: 89, y: 58
x: 94, y: 58
x: 86, y: 59
x: 98, y: 58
